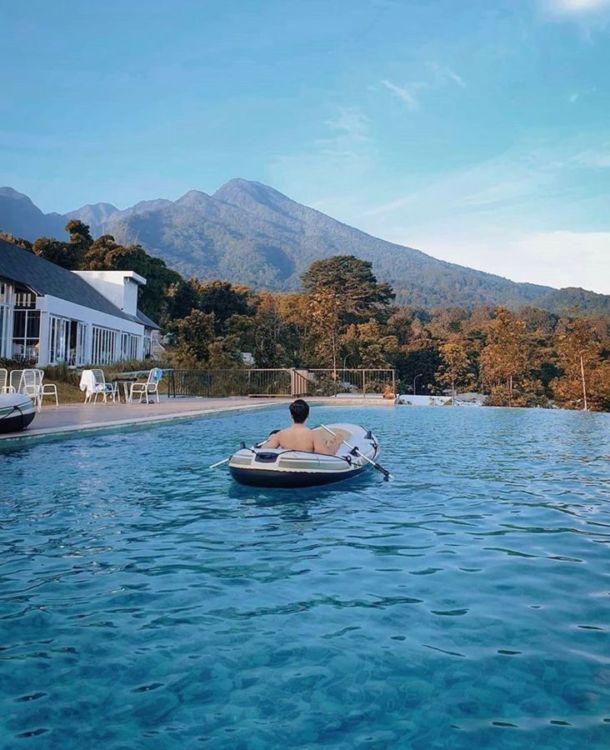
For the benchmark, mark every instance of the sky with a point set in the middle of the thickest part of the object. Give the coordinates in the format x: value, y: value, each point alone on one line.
x: 476, y: 131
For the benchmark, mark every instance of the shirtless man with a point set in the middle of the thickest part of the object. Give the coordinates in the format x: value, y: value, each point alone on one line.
x: 299, y: 437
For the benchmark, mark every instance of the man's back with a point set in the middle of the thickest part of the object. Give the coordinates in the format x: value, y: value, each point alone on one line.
x: 298, y: 437
x: 301, y: 438
x: 294, y: 438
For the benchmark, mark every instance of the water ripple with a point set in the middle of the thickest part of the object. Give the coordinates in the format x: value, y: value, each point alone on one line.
x: 146, y: 601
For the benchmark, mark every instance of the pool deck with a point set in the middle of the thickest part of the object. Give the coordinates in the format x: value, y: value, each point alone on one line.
x: 77, y: 418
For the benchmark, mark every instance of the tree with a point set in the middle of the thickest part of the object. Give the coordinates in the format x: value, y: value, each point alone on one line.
x: 505, y: 356
x: 352, y: 280
x: 193, y: 335
x: 62, y: 254
x: 578, y: 357
x: 19, y: 241
x: 455, y: 364
x: 222, y: 299
x: 368, y: 345
x: 324, y: 311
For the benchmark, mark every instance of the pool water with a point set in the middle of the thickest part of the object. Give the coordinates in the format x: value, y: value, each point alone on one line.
x: 149, y: 602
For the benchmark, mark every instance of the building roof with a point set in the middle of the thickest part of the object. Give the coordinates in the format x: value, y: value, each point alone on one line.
x: 146, y: 321
x: 44, y: 277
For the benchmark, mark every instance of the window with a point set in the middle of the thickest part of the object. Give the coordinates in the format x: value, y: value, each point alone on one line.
x: 104, y: 346
x: 26, y: 334
x: 67, y: 339
x: 129, y: 346
x: 5, y: 314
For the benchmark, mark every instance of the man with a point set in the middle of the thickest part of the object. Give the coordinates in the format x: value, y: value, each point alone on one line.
x: 299, y: 437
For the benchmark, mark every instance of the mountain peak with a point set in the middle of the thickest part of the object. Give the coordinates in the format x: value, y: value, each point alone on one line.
x: 9, y: 192
x: 246, y: 193
x: 193, y: 197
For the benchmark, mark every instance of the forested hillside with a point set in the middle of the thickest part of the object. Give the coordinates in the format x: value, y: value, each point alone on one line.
x: 248, y: 233
x: 346, y: 317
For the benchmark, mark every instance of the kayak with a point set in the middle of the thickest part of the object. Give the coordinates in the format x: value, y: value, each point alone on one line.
x: 16, y: 412
x: 277, y: 467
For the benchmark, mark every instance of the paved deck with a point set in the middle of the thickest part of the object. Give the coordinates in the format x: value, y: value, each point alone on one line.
x: 85, y: 417
x: 82, y: 417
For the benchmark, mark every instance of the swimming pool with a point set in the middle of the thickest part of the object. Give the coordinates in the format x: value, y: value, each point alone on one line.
x: 148, y: 602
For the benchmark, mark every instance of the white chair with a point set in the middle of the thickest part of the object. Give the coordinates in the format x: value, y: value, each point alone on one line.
x: 31, y: 385
x: 5, y: 386
x: 93, y: 382
x: 149, y: 388
x: 48, y: 389
x: 15, y: 381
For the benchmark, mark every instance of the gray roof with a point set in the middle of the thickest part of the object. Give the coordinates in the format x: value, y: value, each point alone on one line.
x: 44, y: 277
x: 148, y: 322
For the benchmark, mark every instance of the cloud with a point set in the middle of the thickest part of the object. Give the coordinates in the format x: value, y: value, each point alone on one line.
x: 445, y: 74
x: 575, y: 7
x: 593, y: 159
x: 351, y: 123
x: 405, y: 93
x: 552, y: 258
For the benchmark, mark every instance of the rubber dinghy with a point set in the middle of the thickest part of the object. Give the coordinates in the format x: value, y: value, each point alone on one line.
x: 277, y: 467
x: 16, y: 412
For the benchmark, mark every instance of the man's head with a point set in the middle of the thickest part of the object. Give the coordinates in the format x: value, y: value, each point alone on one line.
x: 299, y: 411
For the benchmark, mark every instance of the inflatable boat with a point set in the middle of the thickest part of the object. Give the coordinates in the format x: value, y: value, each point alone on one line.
x: 16, y: 412
x: 266, y: 467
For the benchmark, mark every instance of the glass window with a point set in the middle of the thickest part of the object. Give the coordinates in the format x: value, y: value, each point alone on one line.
x: 104, y: 345
x: 26, y: 334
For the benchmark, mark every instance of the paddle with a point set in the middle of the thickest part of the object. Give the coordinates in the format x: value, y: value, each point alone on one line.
x: 219, y: 463
x: 385, y: 472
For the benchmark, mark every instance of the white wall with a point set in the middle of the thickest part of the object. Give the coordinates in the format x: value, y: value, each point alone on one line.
x: 120, y: 287
x: 49, y: 305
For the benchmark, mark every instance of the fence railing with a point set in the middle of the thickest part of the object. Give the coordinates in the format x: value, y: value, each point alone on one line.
x: 229, y: 382
x: 356, y: 382
x: 280, y: 382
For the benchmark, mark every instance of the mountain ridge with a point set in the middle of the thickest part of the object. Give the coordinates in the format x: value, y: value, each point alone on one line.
x: 247, y: 232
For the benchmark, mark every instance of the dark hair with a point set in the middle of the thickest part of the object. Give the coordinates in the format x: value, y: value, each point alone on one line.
x: 299, y: 410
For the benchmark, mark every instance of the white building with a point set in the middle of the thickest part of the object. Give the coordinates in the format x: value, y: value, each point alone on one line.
x: 55, y: 316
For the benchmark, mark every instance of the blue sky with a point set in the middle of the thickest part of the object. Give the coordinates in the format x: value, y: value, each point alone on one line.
x: 478, y: 131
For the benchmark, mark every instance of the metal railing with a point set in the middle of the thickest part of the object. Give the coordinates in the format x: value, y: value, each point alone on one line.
x: 233, y: 382
x: 280, y: 382
x: 361, y: 382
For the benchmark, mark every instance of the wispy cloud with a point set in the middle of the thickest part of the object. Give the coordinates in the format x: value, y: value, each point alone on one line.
x: 575, y: 7
x: 350, y: 122
x: 593, y: 159
x: 444, y: 74
x: 405, y: 93
x: 438, y: 76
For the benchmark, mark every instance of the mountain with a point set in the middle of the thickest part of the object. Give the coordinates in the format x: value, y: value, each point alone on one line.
x: 250, y: 233
x: 19, y: 216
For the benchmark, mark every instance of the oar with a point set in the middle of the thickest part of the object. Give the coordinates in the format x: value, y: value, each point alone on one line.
x: 219, y: 463
x: 385, y: 472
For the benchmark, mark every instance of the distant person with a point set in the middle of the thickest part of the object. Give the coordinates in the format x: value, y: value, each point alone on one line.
x: 299, y: 437
x: 388, y: 392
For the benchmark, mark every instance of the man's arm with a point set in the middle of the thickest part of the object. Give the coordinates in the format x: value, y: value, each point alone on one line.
x: 327, y: 446
x: 272, y: 442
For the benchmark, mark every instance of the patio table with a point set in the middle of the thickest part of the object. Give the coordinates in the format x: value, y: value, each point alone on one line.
x: 125, y: 382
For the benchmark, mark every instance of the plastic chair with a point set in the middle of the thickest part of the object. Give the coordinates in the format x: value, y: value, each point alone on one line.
x: 15, y: 381
x: 31, y: 385
x: 150, y: 387
x: 5, y: 386
x: 48, y: 389
x: 102, y: 387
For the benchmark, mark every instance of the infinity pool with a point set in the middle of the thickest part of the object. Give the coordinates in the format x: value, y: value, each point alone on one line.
x: 148, y: 602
